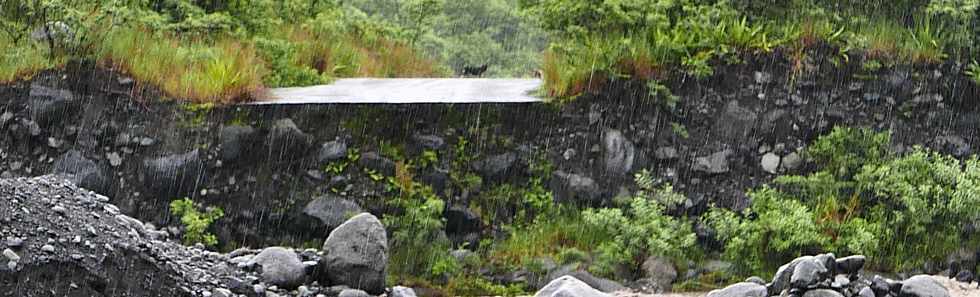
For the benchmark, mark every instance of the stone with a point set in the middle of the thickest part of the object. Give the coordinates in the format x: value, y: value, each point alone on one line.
x: 48, y: 106
x: 280, y: 267
x: 601, y: 284
x: 922, y: 286
x: 285, y: 140
x: 356, y: 254
x: 762, y: 77
x: 735, y: 123
x: 666, y: 153
x: 221, y: 292
x: 808, y: 273
x: 620, y: 156
x: 965, y: 276
x: 770, y: 163
x: 332, y: 151
x: 568, y: 286
x: 822, y: 293
x: 792, y: 161
x: 497, y: 167
x: 11, y: 255
x: 353, y: 293
x: 329, y: 211
x: 660, y: 271
x: 429, y: 142
x: 174, y: 175
x: 463, y: 224
x: 47, y: 248
x: 756, y: 280
x: 236, y: 141
x: 114, y: 159
x: 954, y: 145
x: 866, y: 292
x: 399, y: 291
x: 850, y: 265
x: 781, y: 280
x: 376, y: 162
x: 571, y: 187
x: 740, y: 290
x: 81, y: 171
x: 14, y: 242
x: 716, y: 163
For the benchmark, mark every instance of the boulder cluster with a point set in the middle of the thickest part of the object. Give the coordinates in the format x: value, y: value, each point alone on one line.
x: 827, y: 276
x: 61, y: 240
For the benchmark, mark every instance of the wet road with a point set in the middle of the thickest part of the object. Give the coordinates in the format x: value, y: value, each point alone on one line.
x: 409, y: 90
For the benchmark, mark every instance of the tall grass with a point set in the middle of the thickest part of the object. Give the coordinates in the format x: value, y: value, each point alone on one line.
x: 347, y: 54
x: 223, y: 71
x: 21, y: 61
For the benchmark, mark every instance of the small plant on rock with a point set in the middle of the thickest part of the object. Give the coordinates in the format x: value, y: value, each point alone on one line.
x: 195, y: 221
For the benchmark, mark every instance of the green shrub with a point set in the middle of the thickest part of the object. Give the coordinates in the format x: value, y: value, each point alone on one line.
x: 196, y: 222
x: 642, y: 229
x: 418, y: 243
x: 860, y: 200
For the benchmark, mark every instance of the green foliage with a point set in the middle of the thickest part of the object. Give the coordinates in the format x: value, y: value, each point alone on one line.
x: 196, y: 222
x: 642, y: 229
x: 845, y: 150
x: 477, y: 286
x: 973, y: 72
x: 418, y: 245
x: 860, y: 198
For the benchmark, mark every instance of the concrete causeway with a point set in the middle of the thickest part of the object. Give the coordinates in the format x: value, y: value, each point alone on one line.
x: 408, y: 91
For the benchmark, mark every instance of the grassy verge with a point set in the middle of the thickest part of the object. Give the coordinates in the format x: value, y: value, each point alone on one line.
x: 20, y: 61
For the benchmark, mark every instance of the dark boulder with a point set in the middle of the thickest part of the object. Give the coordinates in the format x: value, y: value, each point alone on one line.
x: 49, y: 106
x: 236, y: 141
x: 463, y: 226
x: 173, y: 175
x: 332, y: 151
x: 850, y: 265
x: 497, y: 167
x: 280, y: 267
x: 328, y: 212
x: 376, y: 162
x: 83, y: 172
x: 285, y: 140
x: 429, y: 142
x: 735, y: 123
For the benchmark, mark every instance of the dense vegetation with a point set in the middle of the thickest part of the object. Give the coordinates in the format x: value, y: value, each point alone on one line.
x: 653, y: 40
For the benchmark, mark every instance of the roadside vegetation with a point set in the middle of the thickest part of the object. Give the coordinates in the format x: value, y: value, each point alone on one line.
x: 596, y: 41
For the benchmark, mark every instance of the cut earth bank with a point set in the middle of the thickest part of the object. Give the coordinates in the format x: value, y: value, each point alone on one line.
x: 278, y: 171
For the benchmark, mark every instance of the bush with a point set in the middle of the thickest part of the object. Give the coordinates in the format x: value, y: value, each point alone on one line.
x: 640, y: 230
x: 859, y: 201
x: 196, y: 222
x: 419, y: 246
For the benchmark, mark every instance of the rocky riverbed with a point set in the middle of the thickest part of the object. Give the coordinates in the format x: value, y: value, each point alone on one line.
x: 62, y: 240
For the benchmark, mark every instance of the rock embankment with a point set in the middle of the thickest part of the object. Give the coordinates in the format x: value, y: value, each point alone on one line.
x: 61, y: 240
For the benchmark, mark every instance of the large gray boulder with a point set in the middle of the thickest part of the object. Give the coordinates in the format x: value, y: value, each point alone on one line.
x: 173, y: 175
x: 922, y: 286
x: 620, y: 156
x: 332, y: 151
x: 740, y: 290
x: 568, y: 286
x: 496, y: 167
x: 328, y: 212
x: 280, y: 267
x: 356, y: 254
x: 81, y: 171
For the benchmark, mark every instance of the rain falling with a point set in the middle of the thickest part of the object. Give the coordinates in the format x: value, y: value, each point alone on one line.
x: 547, y: 148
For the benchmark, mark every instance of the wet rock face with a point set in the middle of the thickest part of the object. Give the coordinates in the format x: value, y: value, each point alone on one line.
x: 735, y: 123
x: 236, y: 142
x: 81, y: 171
x: 285, y: 140
x: 922, y: 286
x: 356, y: 254
x: 49, y: 105
x: 173, y: 175
x: 574, y: 188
